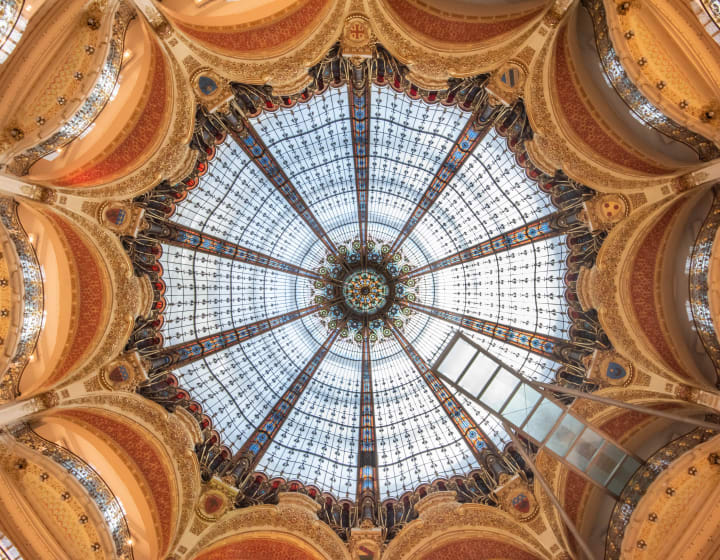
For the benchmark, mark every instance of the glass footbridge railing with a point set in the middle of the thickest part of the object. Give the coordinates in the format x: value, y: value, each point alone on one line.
x: 536, y: 414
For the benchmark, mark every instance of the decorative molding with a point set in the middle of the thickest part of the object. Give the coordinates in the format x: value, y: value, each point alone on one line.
x: 641, y: 481
x: 125, y: 301
x: 172, y: 160
x: 91, y: 481
x: 699, y: 273
x: 93, y: 105
x: 288, y: 518
x: 170, y: 429
x: 551, y: 149
x: 32, y: 298
x: 444, y: 519
x: 631, y: 95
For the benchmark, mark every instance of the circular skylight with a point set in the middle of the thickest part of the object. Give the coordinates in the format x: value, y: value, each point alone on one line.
x: 358, y: 272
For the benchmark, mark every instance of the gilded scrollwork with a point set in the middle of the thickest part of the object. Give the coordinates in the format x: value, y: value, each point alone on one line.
x: 285, y: 73
x: 172, y: 161
x: 288, y: 517
x: 125, y: 296
x: 552, y: 148
x: 431, y: 68
x: 633, y: 97
x: 175, y: 435
x: 468, y: 521
x: 640, y: 483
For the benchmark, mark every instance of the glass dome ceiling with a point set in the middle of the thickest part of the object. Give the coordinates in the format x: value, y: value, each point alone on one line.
x: 318, y: 232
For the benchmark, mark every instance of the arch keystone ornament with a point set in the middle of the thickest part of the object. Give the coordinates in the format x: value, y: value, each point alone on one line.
x: 358, y: 38
x: 123, y: 373
x: 212, y: 505
x: 508, y: 82
x: 516, y: 497
x: 366, y: 543
x: 610, y: 368
x: 211, y: 89
x: 606, y: 210
x: 123, y: 218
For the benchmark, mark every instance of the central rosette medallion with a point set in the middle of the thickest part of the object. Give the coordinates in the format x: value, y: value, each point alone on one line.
x: 365, y: 291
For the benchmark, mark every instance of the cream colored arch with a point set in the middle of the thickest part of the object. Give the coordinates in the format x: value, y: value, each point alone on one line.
x: 293, y: 523
x: 144, y: 453
x: 445, y: 526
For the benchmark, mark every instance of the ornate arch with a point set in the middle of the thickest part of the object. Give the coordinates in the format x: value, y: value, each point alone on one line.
x: 293, y: 522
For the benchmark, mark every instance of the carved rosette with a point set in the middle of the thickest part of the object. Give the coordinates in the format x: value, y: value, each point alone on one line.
x: 606, y: 210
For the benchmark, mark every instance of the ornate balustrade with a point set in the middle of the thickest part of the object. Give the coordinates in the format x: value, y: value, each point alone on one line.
x: 640, y: 482
x: 32, y: 299
x: 93, y: 104
x: 645, y: 110
x: 12, y: 25
x: 96, y: 487
x: 700, y: 263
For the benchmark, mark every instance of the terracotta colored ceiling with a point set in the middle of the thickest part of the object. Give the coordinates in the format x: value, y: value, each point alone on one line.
x: 478, y: 549
x: 256, y: 549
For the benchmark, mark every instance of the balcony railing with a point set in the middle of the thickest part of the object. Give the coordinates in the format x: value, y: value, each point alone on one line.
x: 32, y: 299
x: 638, y: 485
x: 98, y: 490
x: 700, y: 263
x: 12, y: 25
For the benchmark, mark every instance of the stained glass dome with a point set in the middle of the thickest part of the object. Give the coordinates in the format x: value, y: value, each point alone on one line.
x: 344, y: 242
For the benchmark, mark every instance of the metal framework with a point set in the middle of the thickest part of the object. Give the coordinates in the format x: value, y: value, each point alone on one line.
x: 251, y: 143
x: 367, y: 487
x: 182, y: 236
x: 188, y: 352
x: 543, y: 345
x: 359, y: 98
x: 253, y: 449
x: 470, y: 136
x: 528, y: 233
x: 476, y: 439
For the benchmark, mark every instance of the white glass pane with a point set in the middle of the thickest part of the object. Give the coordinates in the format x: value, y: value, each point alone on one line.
x: 478, y: 374
x: 604, y: 463
x: 623, y: 474
x: 543, y: 419
x: 521, y: 404
x: 585, y: 449
x: 457, y: 359
x: 500, y: 388
x: 564, y: 435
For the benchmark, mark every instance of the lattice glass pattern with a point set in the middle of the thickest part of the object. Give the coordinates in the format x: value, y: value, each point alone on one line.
x: 318, y: 442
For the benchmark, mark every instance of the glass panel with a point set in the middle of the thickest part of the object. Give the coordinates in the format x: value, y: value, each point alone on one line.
x: 604, y: 463
x: 564, y: 435
x: 478, y: 374
x: 585, y: 449
x: 543, y: 419
x: 313, y: 143
x: 520, y: 404
x: 623, y: 474
x: 457, y: 359
x: 502, y: 385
